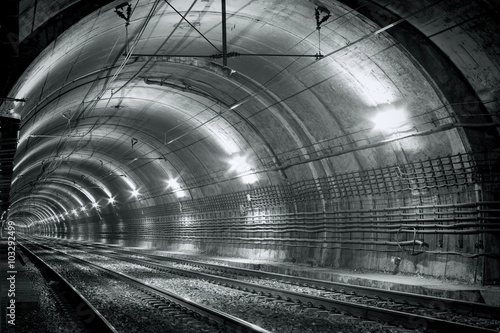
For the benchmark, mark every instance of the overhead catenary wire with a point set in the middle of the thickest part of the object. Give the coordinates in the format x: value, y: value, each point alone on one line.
x: 93, y: 103
x: 47, y: 169
x: 192, y: 26
x: 269, y: 83
x: 103, y: 90
x: 207, y: 121
x: 98, y: 97
x: 371, y: 138
x: 281, y: 71
x: 53, y: 164
x: 157, y: 50
x: 349, y: 45
x: 130, y: 53
x: 451, y: 104
x: 278, y: 55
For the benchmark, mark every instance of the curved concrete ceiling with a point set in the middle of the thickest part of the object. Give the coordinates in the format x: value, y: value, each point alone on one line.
x: 115, y: 106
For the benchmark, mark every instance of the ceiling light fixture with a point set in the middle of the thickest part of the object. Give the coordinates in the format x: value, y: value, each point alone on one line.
x: 176, y: 187
x: 240, y: 165
x: 173, y: 184
x: 389, y: 120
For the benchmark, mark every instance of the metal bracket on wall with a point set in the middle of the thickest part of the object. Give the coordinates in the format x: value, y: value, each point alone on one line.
x: 412, y: 242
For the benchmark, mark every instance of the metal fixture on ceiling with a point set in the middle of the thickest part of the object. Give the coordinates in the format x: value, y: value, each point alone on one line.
x: 124, y: 14
x: 321, y: 14
x: 12, y: 99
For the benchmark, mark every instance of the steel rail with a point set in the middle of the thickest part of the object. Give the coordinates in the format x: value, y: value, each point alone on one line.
x: 406, y: 319
x: 478, y: 309
x: 224, y: 319
x: 94, y: 320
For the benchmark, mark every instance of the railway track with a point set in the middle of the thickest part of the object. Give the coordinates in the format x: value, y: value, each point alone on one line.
x: 80, y: 315
x: 409, y: 310
x: 157, y: 307
x: 392, y: 297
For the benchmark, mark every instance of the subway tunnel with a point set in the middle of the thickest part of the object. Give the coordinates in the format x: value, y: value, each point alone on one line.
x: 337, y: 134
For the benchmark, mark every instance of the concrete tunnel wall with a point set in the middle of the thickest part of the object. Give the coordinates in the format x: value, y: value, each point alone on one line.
x: 331, y: 192
x: 359, y: 224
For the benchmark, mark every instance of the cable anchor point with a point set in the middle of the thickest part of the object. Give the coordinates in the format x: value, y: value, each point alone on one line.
x: 322, y: 15
x: 124, y: 13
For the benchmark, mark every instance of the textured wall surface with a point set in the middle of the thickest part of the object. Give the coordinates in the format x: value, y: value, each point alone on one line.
x: 430, y: 214
x: 132, y: 123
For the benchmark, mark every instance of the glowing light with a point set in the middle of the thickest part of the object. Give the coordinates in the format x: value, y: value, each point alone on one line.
x: 173, y: 184
x: 75, y: 212
x: 111, y: 200
x: 389, y: 120
x: 129, y: 182
x: 240, y: 165
x: 250, y: 179
x: 180, y: 194
x: 87, y: 194
x: 95, y: 205
x: 235, y: 106
x: 135, y: 193
x: 83, y: 209
x: 176, y: 187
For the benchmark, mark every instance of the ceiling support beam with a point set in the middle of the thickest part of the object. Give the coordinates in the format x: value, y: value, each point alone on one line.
x: 228, y: 55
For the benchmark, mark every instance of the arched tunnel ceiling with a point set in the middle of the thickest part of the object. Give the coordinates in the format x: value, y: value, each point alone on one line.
x: 113, y: 106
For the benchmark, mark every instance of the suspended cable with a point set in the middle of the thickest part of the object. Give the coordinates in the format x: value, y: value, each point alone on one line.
x: 157, y: 50
x: 129, y: 54
x: 192, y: 26
x: 281, y: 71
x: 96, y: 99
x: 329, y: 54
x: 266, y: 87
x: 192, y: 129
x: 298, y: 71
x: 94, y: 102
x: 68, y: 128
x: 375, y: 33
x: 319, y: 11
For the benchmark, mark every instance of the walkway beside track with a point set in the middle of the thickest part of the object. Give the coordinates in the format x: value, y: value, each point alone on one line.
x: 401, y: 282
